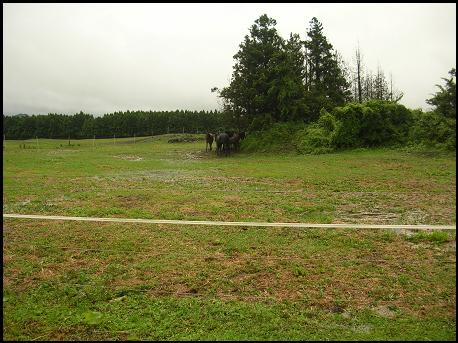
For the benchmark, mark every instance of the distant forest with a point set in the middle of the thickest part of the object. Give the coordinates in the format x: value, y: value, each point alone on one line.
x: 305, y: 84
x: 119, y: 124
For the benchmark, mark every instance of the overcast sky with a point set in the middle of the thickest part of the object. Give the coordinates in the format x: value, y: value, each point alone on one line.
x: 99, y: 58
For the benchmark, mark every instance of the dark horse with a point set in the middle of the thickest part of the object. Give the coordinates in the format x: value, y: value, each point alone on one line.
x: 222, y: 143
x: 208, y: 140
x: 234, y: 140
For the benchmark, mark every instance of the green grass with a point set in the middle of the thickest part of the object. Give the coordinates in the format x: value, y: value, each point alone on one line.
x: 158, y: 179
x: 81, y: 281
x: 436, y: 237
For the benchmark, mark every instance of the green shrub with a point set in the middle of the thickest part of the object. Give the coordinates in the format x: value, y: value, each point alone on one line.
x: 313, y: 140
x: 433, y: 130
x: 369, y: 124
x: 278, y: 138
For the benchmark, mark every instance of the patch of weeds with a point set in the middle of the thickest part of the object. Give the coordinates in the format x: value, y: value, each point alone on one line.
x: 437, y: 237
x: 319, y: 214
x: 338, y: 307
x: 404, y: 280
x: 293, y: 209
x: 216, y: 242
x: 299, y: 271
x: 388, y: 236
x: 252, y: 267
x: 92, y: 317
x: 231, y: 251
x: 134, y: 289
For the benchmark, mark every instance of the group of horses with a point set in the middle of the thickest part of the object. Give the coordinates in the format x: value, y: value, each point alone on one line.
x: 226, y: 142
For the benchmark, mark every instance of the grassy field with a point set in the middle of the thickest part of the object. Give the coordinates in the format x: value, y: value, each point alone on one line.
x: 79, y: 280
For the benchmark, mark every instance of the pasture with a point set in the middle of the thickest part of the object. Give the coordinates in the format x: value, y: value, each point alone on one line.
x: 80, y: 280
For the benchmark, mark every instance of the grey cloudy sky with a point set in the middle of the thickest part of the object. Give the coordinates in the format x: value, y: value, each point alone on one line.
x: 100, y: 58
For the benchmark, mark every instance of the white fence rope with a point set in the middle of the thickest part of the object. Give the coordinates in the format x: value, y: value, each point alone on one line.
x: 223, y: 223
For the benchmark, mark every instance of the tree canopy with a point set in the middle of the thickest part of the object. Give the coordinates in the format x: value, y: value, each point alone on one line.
x: 444, y: 101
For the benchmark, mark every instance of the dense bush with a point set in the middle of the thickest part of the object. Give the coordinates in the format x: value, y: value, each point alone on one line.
x: 316, y: 138
x: 431, y: 129
x: 278, y: 138
x: 370, y: 124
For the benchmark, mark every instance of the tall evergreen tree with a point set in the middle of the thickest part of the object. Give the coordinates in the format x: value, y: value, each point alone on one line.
x: 247, y: 93
x: 289, y: 81
x: 325, y: 82
x: 267, y: 80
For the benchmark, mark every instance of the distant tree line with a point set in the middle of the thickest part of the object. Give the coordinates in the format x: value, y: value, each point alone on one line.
x: 121, y: 124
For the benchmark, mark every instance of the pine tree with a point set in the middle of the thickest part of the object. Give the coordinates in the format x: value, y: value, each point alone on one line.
x: 288, y: 83
x: 267, y: 80
x: 247, y: 92
x: 325, y: 82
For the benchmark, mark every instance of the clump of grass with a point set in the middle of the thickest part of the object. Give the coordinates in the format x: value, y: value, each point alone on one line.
x: 388, y: 236
x: 299, y: 271
x: 437, y: 237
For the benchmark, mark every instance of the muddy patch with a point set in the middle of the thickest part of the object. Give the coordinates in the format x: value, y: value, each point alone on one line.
x: 17, y: 206
x: 384, y: 311
x: 184, y: 140
x: 415, y: 217
x: 365, y: 207
x: 405, y: 232
x: 198, y: 155
x: 450, y: 246
x: 61, y: 152
x: 129, y: 157
x: 57, y: 201
x: 374, y: 215
x: 362, y: 328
